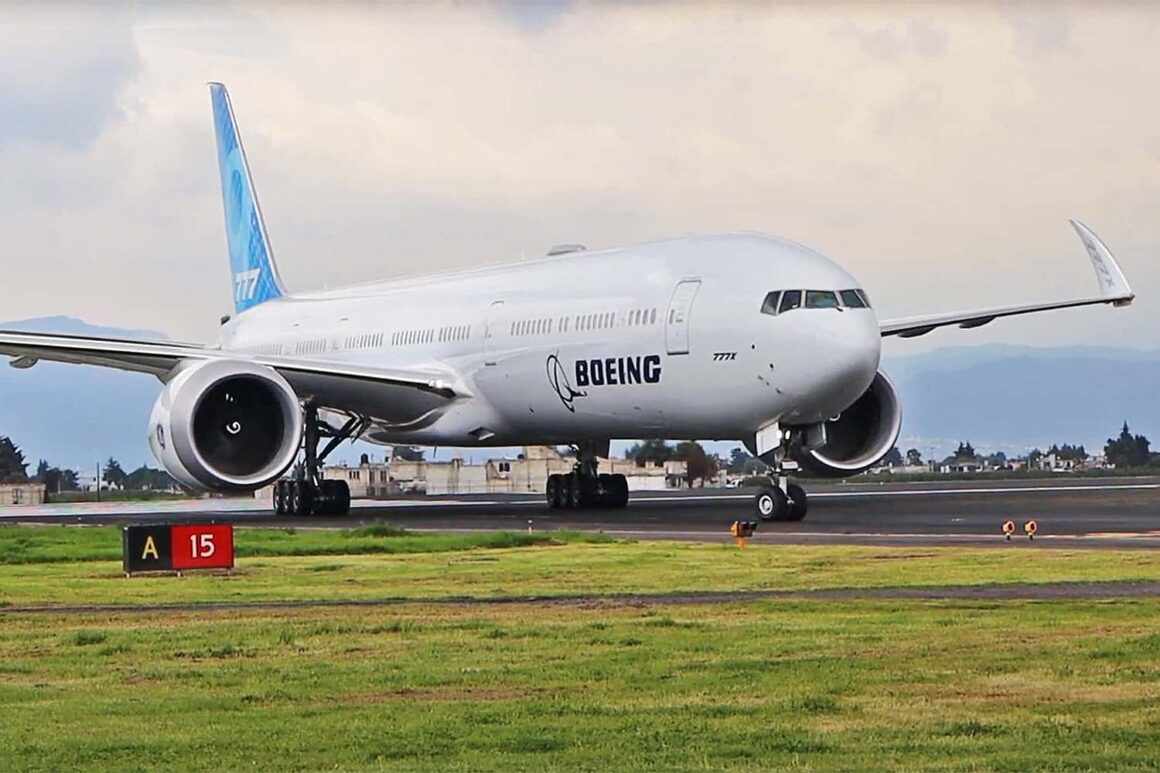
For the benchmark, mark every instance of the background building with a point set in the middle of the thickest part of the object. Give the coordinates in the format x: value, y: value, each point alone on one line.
x: 21, y: 494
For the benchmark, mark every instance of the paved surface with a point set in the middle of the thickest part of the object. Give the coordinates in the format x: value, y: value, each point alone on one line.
x: 1070, y: 512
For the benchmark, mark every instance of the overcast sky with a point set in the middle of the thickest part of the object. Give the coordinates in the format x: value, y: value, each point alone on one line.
x: 936, y: 151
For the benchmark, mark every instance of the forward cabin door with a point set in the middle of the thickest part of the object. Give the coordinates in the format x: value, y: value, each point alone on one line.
x: 680, y: 311
x: 491, y: 329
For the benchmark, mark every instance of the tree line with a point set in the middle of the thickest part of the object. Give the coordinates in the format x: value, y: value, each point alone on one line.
x: 14, y: 469
x: 1125, y: 450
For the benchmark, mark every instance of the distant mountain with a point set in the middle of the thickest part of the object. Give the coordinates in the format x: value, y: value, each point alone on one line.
x: 1011, y: 398
x: 998, y: 397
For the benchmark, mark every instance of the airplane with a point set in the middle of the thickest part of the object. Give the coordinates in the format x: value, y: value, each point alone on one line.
x: 740, y: 336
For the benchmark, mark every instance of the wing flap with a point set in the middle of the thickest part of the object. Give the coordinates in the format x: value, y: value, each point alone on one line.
x: 1114, y: 290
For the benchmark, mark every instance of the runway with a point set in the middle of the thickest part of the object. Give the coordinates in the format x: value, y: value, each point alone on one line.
x: 1070, y: 512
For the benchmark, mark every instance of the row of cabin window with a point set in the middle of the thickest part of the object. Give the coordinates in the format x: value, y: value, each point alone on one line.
x: 316, y: 346
x: 414, y: 336
x: 454, y: 333
x: 582, y: 322
x: 364, y: 341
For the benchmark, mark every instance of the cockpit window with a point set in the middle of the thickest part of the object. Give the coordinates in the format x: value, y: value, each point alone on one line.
x: 769, y: 305
x: 821, y: 299
x: 790, y: 300
x: 852, y: 300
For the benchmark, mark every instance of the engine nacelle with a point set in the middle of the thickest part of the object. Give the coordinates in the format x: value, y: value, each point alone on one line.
x: 860, y: 437
x: 226, y: 425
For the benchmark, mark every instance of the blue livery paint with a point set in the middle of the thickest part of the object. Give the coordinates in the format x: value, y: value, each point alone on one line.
x: 255, y: 276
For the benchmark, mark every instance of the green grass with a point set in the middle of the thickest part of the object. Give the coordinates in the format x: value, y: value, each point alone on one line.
x: 114, y: 496
x: 50, y: 544
x: 356, y: 565
x: 596, y: 685
x: 850, y: 685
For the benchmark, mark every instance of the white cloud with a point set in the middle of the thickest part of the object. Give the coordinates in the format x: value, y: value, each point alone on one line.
x: 936, y: 151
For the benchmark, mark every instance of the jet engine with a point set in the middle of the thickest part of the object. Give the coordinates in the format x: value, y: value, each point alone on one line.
x: 859, y: 437
x: 226, y: 425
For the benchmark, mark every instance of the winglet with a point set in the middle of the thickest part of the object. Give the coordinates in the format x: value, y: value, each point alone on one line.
x: 1113, y: 285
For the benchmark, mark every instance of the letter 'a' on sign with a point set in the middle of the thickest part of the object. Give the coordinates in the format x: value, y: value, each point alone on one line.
x: 146, y: 549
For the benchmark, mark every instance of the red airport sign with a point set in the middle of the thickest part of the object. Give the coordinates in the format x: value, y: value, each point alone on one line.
x: 179, y: 547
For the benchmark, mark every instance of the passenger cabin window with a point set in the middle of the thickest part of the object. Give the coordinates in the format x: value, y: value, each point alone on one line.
x: 821, y: 299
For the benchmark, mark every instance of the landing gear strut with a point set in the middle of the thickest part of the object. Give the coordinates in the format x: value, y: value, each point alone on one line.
x: 780, y: 500
x: 585, y: 486
x: 308, y: 493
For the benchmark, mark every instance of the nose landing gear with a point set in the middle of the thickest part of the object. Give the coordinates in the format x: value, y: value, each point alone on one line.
x: 780, y: 500
x: 584, y: 487
x: 777, y: 503
x: 308, y: 493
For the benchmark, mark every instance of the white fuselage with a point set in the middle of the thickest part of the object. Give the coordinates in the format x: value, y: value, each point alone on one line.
x: 665, y: 339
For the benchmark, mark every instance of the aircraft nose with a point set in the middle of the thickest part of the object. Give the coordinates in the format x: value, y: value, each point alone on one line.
x: 846, y: 346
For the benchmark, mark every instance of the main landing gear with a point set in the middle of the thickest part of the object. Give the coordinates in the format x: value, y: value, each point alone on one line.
x: 780, y: 500
x: 584, y: 486
x: 308, y: 493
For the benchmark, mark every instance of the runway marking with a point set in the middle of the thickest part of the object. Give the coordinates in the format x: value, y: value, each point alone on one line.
x: 919, y: 492
x: 718, y: 533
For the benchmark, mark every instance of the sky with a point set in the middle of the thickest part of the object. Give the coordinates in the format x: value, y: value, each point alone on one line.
x: 937, y: 151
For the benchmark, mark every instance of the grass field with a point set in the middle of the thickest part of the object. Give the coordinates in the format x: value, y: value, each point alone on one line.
x: 597, y: 684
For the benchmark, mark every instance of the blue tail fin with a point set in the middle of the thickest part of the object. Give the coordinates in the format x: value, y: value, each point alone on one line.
x: 255, y: 275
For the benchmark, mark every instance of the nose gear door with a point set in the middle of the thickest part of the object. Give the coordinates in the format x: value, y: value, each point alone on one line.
x: 680, y: 311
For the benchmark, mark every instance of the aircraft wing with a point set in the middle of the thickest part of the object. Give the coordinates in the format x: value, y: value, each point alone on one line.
x: 1113, y: 288
x: 336, y: 384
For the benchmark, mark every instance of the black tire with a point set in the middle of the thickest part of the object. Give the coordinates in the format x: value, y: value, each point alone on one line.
x: 603, y: 495
x: 571, y: 491
x: 280, y: 497
x: 798, y: 502
x: 589, y: 492
x: 342, y: 505
x: 619, y: 491
x: 554, y: 492
x: 334, y: 498
x: 302, y: 497
x: 771, y: 504
x: 326, y: 500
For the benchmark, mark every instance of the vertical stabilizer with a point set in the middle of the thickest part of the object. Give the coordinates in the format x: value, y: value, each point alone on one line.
x: 255, y: 276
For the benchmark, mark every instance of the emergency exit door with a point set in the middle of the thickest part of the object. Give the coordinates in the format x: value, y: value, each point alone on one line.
x: 677, y: 320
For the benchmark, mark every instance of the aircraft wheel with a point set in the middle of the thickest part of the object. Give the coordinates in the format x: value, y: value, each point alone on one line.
x: 343, y: 497
x: 554, y: 492
x: 589, y: 492
x: 301, y: 497
x: 604, y: 494
x: 798, y: 502
x: 771, y: 504
x: 280, y: 497
x: 572, y: 492
x: 333, y: 498
x: 619, y: 491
